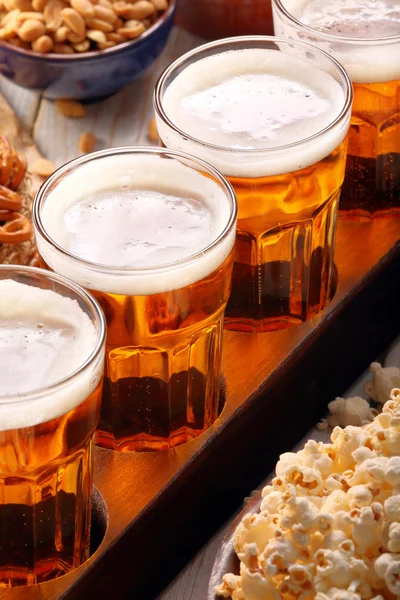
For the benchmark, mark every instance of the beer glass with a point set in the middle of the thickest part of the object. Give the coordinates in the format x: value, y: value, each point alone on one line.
x: 52, y: 336
x: 272, y: 116
x: 365, y: 38
x: 150, y: 233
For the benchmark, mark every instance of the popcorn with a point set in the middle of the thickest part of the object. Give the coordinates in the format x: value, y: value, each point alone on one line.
x: 350, y: 411
x: 329, y: 526
x: 384, y: 379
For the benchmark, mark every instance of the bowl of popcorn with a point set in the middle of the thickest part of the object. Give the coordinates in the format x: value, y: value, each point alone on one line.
x: 81, y: 49
x: 328, y: 525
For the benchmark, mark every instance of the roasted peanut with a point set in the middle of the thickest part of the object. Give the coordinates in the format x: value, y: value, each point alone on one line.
x: 61, y: 34
x: 74, y: 20
x: 100, y: 25
x: 97, y: 36
x: 124, y: 9
x: 84, y: 8
x: 115, y: 37
x: 52, y: 15
x: 24, y: 5
x: 39, y: 5
x: 63, y: 49
x: 70, y: 108
x: 160, y: 4
x: 43, y: 44
x: 132, y: 29
x: 69, y: 26
x: 43, y: 167
x: 82, y: 46
x: 105, y: 14
x: 25, y: 16
x: 87, y: 142
x: 143, y: 9
x: 152, y: 132
x: 31, y: 30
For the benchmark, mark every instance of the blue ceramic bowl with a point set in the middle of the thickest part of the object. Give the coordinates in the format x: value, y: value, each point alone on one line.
x: 90, y: 75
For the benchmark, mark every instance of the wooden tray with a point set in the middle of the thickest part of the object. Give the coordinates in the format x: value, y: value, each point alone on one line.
x: 158, y: 508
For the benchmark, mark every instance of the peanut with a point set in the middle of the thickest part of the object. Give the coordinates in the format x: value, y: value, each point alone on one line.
x: 115, y: 37
x: 152, y: 133
x: 61, y: 34
x: 87, y: 142
x: 24, y: 16
x: 160, y: 4
x: 43, y: 44
x: 52, y: 15
x: 63, y: 49
x: 123, y: 9
x: 39, y: 5
x: 24, y: 5
x: 75, y: 39
x: 74, y: 20
x: 82, y: 46
x: 84, y: 8
x: 100, y: 25
x: 105, y: 14
x: 143, y: 9
x: 43, y: 167
x: 31, y: 30
x: 70, y: 108
x: 97, y: 36
x: 132, y: 29
x: 106, y: 45
x: 69, y: 26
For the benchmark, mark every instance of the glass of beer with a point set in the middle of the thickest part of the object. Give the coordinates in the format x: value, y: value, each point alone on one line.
x: 364, y: 36
x: 52, y: 338
x: 272, y: 115
x: 150, y: 233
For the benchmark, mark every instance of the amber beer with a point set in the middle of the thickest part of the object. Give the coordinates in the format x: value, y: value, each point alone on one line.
x: 365, y: 38
x: 51, y: 363
x: 151, y: 234
x: 273, y: 117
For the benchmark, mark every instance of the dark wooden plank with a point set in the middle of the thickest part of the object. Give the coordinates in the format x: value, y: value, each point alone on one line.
x: 162, y: 506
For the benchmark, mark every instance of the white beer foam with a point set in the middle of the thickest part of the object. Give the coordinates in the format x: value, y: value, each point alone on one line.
x: 139, y: 212
x: 355, y: 20
x: 254, y: 99
x: 44, y: 338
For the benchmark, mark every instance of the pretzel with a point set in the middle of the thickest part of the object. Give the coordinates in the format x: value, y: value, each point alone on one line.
x: 16, y: 230
x: 9, y: 200
x: 6, y: 160
x: 19, y: 169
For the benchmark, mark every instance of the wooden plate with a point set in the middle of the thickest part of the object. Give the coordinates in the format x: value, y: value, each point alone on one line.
x: 226, y: 560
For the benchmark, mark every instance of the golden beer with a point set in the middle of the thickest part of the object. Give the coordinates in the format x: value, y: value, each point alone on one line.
x: 151, y: 234
x: 272, y: 116
x: 365, y: 38
x: 51, y: 362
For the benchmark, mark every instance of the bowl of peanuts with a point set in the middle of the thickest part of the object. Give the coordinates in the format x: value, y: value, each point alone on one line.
x: 81, y: 49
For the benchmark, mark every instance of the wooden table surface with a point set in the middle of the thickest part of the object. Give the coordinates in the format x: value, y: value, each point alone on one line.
x: 120, y: 120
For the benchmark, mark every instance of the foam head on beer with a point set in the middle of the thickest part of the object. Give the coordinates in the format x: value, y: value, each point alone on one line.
x: 253, y: 99
x: 357, y: 20
x: 141, y: 214
x: 44, y: 338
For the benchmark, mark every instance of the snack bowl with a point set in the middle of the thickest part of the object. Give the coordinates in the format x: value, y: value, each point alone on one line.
x: 89, y: 75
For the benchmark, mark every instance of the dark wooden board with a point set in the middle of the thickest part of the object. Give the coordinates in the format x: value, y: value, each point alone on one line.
x: 162, y: 506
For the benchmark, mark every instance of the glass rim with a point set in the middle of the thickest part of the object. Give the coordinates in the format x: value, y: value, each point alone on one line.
x: 387, y: 40
x: 42, y: 194
x: 220, y: 44
x: 94, y: 306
